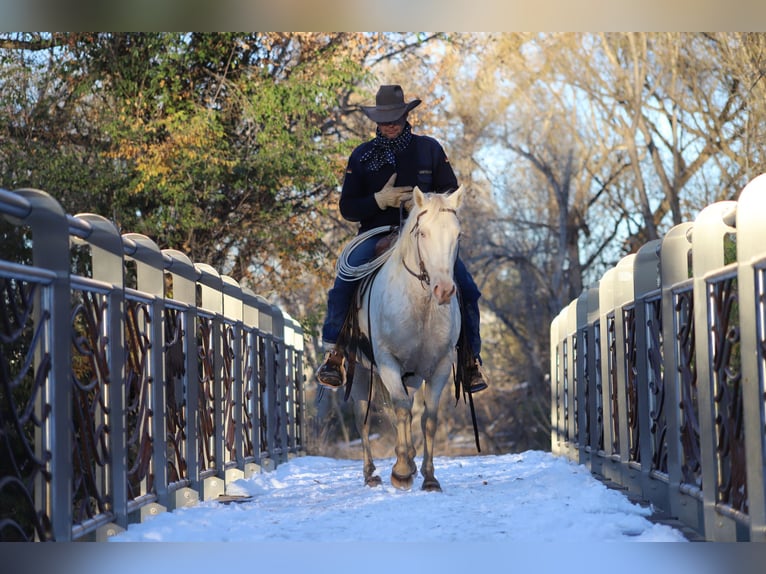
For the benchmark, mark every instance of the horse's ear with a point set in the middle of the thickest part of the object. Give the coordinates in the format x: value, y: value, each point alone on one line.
x: 418, y: 196
x: 456, y: 197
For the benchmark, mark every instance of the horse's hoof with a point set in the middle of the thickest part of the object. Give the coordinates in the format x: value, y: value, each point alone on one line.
x: 372, y: 481
x: 432, y: 486
x: 401, y: 482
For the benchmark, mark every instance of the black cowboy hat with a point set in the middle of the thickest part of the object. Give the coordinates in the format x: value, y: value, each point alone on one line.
x: 389, y: 105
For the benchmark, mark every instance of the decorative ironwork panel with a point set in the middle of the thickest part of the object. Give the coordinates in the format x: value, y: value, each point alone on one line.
x: 599, y: 398
x: 614, y: 423
x: 176, y: 404
x: 24, y: 414
x: 565, y: 389
x: 731, y: 489
x: 249, y: 386
x: 631, y: 383
x: 298, y: 383
x: 575, y: 384
x: 138, y: 408
x: 691, y: 467
x: 91, y: 453
x: 206, y: 406
x: 279, y: 408
x: 263, y: 393
x: 230, y: 401
x: 586, y: 348
x: 658, y: 423
x: 556, y: 399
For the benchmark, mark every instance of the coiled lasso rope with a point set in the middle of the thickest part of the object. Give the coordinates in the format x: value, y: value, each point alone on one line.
x: 348, y: 272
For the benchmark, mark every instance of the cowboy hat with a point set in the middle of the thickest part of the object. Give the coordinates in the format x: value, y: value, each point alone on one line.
x: 389, y: 105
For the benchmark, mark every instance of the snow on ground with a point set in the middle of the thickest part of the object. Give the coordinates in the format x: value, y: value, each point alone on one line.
x: 533, y: 496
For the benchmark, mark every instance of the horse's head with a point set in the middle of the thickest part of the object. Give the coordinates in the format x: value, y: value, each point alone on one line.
x: 430, y: 239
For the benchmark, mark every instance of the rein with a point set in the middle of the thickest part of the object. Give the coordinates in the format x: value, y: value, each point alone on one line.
x: 423, y: 276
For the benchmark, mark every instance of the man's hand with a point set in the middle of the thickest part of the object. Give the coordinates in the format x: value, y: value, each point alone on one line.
x: 392, y: 196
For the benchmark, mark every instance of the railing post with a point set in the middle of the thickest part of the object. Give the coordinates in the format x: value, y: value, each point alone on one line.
x: 751, y: 272
x: 150, y: 280
x: 211, y: 314
x: 624, y: 329
x: 571, y: 381
x: 251, y: 382
x: 650, y: 387
x: 107, y: 260
x: 269, y: 416
x: 555, y: 347
x: 50, y: 250
x: 607, y: 322
x: 685, y: 500
x: 581, y: 374
x: 183, y: 282
x: 233, y: 462
x: 300, y: 388
x: 595, y: 410
x: 708, y: 256
x: 280, y: 385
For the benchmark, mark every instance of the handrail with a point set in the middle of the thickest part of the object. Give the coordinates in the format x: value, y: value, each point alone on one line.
x: 136, y: 389
x: 658, y: 373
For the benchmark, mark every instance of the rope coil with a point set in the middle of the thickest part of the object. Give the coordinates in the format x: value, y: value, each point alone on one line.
x: 348, y: 272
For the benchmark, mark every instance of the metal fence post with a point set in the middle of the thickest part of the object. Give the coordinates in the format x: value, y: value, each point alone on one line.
x: 650, y: 382
x: 50, y: 250
x: 555, y: 346
x: 751, y: 272
x: 182, y: 285
x: 280, y: 385
x: 233, y: 463
x: 708, y: 237
x: 210, y: 331
x: 107, y: 267
x: 595, y: 410
x: 150, y: 280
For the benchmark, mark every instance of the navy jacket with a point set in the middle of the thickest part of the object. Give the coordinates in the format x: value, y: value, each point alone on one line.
x: 423, y: 163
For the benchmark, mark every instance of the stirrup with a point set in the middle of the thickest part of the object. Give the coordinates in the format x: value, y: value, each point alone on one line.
x: 332, y: 373
x: 477, y: 379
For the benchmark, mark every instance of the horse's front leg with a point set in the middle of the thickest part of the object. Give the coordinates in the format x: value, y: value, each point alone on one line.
x: 428, y: 422
x: 404, y: 470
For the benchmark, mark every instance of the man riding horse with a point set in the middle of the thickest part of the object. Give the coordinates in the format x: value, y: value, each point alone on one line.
x: 380, y: 176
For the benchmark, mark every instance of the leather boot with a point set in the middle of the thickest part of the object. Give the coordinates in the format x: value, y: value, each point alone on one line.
x: 331, y: 373
x: 477, y: 379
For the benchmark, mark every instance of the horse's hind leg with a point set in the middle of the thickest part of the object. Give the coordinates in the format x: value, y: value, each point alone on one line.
x: 363, y: 427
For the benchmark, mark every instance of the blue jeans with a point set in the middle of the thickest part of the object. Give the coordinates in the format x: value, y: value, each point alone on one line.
x: 340, y: 296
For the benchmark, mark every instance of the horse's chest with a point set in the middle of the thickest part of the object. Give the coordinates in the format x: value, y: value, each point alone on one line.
x: 418, y: 332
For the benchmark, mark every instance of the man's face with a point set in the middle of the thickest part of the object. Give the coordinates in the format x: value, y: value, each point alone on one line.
x: 391, y: 130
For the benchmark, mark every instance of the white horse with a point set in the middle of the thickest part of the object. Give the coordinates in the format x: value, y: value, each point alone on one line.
x: 411, y: 315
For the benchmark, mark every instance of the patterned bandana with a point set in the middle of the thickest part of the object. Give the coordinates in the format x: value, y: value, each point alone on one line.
x: 384, y: 150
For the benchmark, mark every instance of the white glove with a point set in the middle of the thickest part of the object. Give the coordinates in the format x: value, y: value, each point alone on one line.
x: 392, y: 196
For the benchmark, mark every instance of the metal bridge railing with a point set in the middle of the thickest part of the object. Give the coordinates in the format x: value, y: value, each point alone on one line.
x: 658, y: 375
x: 133, y: 380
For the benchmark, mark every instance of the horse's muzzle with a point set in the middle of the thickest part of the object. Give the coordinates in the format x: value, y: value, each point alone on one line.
x: 443, y: 294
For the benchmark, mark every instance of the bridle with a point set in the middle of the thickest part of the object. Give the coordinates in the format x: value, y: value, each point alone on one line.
x: 423, y: 277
